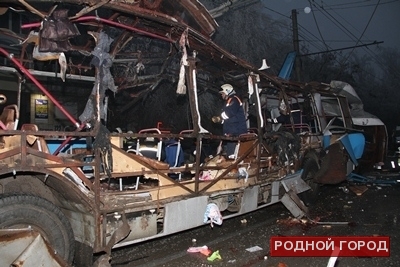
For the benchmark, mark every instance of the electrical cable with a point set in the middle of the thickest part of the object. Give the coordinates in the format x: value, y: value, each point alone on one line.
x: 358, y: 6
x: 303, y: 33
x: 316, y: 24
x: 347, y: 32
x: 323, y: 10
x: 300, y: 27
x: 365, y: 29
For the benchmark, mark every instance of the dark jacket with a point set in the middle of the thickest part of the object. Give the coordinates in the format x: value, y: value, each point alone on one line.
x: 233, y: 115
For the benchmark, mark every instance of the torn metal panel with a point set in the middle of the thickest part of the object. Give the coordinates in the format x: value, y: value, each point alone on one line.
x: 104, y: 80
x: 293, y: 203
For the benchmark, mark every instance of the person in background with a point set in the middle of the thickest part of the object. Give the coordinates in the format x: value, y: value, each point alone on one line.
x: 233, y: 118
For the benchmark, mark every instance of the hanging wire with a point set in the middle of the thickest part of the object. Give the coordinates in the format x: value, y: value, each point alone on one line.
x: 304, y: 33
x: 337, y: 23
x: 317, y: 25
x: 366, y: 27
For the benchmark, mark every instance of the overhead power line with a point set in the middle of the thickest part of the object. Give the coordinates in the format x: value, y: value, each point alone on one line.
x: 340, y: 49
x: 352, y: 5
x: 316, y: 24
x: 362, y: 34
x: 325, y: 12
x: 324, y: 9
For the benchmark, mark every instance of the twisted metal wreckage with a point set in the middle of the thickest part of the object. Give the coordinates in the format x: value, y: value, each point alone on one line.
x: 108, y: 195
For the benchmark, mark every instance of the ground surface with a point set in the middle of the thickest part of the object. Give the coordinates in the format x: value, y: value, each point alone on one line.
x: 375, y: 212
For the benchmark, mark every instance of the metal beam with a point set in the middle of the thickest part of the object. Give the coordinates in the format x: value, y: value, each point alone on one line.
x: 49, y: 74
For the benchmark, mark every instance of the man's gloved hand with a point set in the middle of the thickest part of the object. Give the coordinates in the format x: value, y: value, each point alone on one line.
x: 216, y: 119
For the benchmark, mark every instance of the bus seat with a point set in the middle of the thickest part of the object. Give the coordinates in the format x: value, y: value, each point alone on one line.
x: 9, y: 117
x: 36, y: 142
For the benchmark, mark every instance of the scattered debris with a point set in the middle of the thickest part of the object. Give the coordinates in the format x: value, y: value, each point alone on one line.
x: 254, y: 249
x: 358, y: 189
x: 329, y: 224
x: 305, y: 224
x: 344, y: 189
x: 294, y: 221
x: 243, y: 221
x: 309, y: 222
x: 333, y: 223
x: 203, y: 250
x: 215, y: 256
x: 382, y: 179
x: 212, y: 212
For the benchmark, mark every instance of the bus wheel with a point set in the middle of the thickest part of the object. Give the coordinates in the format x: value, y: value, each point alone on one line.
x: 22, y: 211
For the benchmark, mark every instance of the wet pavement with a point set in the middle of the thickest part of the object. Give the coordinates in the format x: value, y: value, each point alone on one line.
x: 374, y: 212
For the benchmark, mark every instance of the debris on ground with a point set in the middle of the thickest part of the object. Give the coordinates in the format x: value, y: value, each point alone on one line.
x: 215, y: 256
x: 305, y: 223
x: 203, y: 250
x: 344, y: 189
x: 290, y: 221
x: 254, y: 249
x: 358, y: 189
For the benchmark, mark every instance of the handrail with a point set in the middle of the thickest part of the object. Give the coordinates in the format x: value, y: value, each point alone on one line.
x: 39, y: 85
x: 154, y: 130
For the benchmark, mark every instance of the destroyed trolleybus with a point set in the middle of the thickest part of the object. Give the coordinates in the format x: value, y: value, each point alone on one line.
x: 88, y: 190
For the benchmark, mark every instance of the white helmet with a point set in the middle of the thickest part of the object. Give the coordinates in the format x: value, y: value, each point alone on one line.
x: 226, y: 89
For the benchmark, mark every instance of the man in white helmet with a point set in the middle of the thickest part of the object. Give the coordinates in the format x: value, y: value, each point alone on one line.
x: 233, y: 118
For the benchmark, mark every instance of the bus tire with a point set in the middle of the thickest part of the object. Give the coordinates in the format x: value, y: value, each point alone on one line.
x: 19, y: 211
